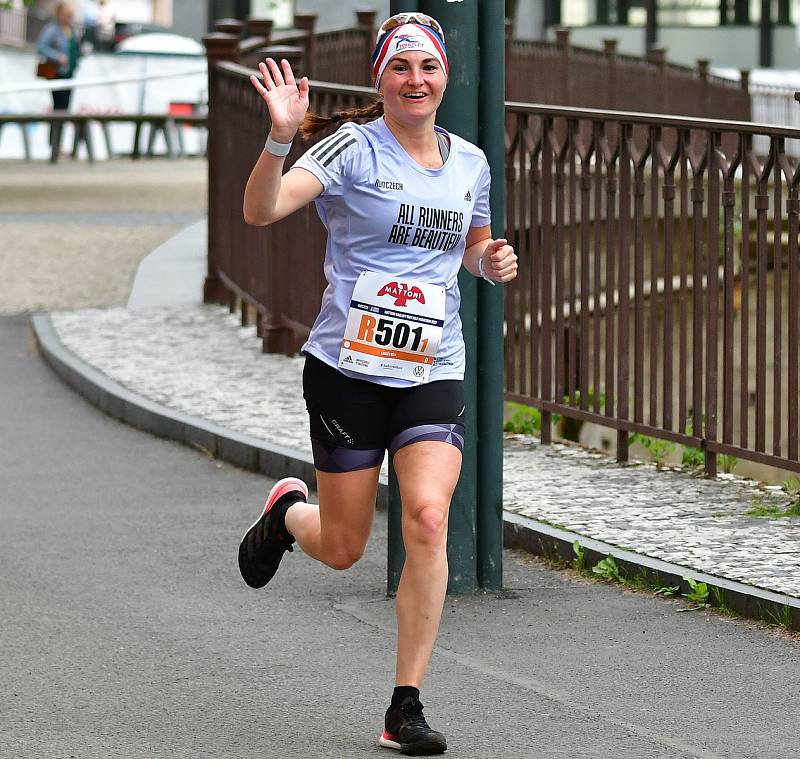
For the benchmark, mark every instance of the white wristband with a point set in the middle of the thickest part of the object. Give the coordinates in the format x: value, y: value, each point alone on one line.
x: 483, y: 273
x: 277, y: 148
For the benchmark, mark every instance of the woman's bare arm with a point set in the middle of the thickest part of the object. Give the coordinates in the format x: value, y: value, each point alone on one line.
x: 499, y: 259
x: 271, y: 195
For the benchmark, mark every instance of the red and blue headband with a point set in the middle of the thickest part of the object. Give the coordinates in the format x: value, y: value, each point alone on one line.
x: 407, y: 38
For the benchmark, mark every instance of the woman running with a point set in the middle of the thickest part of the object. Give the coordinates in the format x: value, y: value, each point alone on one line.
x: 405, y: 204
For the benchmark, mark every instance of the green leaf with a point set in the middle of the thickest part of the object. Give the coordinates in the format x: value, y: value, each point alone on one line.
x: 580, y: 556
x: 698, y: 591
x: 668, y: 590
x: 607, y: 568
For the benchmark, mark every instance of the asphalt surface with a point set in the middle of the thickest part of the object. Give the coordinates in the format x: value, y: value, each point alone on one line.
x: 73, y: 234
x: 125, y: 630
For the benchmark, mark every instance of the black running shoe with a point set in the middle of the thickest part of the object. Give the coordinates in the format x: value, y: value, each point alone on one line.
x: 406, y: 730
x: 264, y: 544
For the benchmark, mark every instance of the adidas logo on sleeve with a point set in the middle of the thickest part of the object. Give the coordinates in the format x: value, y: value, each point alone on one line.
x: 325, y: 151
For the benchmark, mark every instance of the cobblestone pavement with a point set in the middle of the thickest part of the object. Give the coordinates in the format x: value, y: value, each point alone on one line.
x: 73, y: 234
x: 199, y: 360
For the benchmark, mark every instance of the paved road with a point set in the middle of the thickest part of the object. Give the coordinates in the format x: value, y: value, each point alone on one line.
x: 79, y: 243
x: 125, y: 630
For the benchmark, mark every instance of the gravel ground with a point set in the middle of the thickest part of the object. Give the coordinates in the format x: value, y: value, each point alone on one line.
x: 73, y: 234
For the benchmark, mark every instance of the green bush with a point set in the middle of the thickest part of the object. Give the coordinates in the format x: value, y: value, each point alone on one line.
x: 658, y: 449
x: 692, y: 458
x: 523, y: 420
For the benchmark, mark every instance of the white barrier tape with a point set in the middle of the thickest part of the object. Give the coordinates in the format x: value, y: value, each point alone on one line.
x: 64, y: 84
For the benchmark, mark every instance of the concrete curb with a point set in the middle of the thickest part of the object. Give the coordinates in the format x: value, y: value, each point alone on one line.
x: 556, y: 544
x: 115, y: 400
x: 274, y: 461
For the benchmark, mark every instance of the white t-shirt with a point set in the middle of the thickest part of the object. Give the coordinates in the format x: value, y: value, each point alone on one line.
x: 384, y: 212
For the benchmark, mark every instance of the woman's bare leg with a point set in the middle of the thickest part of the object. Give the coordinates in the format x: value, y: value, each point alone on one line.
x: 336, y: 531
x: 427, y: 473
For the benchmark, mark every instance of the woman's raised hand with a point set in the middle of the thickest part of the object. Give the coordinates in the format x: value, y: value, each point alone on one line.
x: 287, y: 101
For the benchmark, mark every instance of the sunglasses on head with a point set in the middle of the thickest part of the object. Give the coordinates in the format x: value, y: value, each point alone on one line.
x: 409, y: 18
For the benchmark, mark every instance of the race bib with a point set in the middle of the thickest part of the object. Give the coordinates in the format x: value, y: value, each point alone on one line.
x: 394, y: 327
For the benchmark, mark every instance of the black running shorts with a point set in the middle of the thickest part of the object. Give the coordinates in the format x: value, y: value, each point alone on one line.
x: 354, y: 421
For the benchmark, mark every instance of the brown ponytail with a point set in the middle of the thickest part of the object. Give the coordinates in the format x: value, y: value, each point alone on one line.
x: 313, y: 123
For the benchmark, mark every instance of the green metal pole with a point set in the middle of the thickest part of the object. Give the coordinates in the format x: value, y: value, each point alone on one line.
x: 396, y: 551
x: 459, y: 114
x: 403, y: 6
x: 651, y: 28
x: 491, y: 138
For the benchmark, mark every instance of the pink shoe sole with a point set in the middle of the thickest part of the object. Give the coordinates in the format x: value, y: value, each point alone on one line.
x: 281, y: 488
x: 387, y: 740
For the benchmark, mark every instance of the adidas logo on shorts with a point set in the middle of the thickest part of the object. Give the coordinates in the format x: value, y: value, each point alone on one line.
x: 468, y: 196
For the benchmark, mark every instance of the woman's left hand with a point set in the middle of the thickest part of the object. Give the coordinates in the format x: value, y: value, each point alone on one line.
x: 499, y: 261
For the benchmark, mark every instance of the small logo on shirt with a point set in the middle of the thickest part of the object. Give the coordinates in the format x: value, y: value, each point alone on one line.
x: 381, y: 185
x: 401, y: 293
x: 468, y: 196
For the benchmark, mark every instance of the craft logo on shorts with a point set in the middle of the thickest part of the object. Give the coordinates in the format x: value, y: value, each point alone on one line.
x: 407, y: 42
x: 402, y: 293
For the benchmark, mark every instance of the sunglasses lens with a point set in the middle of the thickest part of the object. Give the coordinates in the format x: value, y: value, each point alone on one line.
x: 405, y: 18
x: 392, y: 22
x: 431, y: 22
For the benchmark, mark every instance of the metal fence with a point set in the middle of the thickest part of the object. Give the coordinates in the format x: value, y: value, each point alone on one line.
x: 556, y: 73
x: 775, y: 105
x: 658, y: 289
x: 13, y: 24
x: 337, y: 55
x: 272, y: 275
x: 561, y: 74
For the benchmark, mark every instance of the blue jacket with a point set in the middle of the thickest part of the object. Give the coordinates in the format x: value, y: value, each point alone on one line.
x: 53, y: 43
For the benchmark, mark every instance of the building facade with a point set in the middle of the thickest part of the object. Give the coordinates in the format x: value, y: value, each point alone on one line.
x: 741, y: 34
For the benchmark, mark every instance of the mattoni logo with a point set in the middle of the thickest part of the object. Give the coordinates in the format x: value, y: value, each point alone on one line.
x: 402, y: 293
x: 407, y: 41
